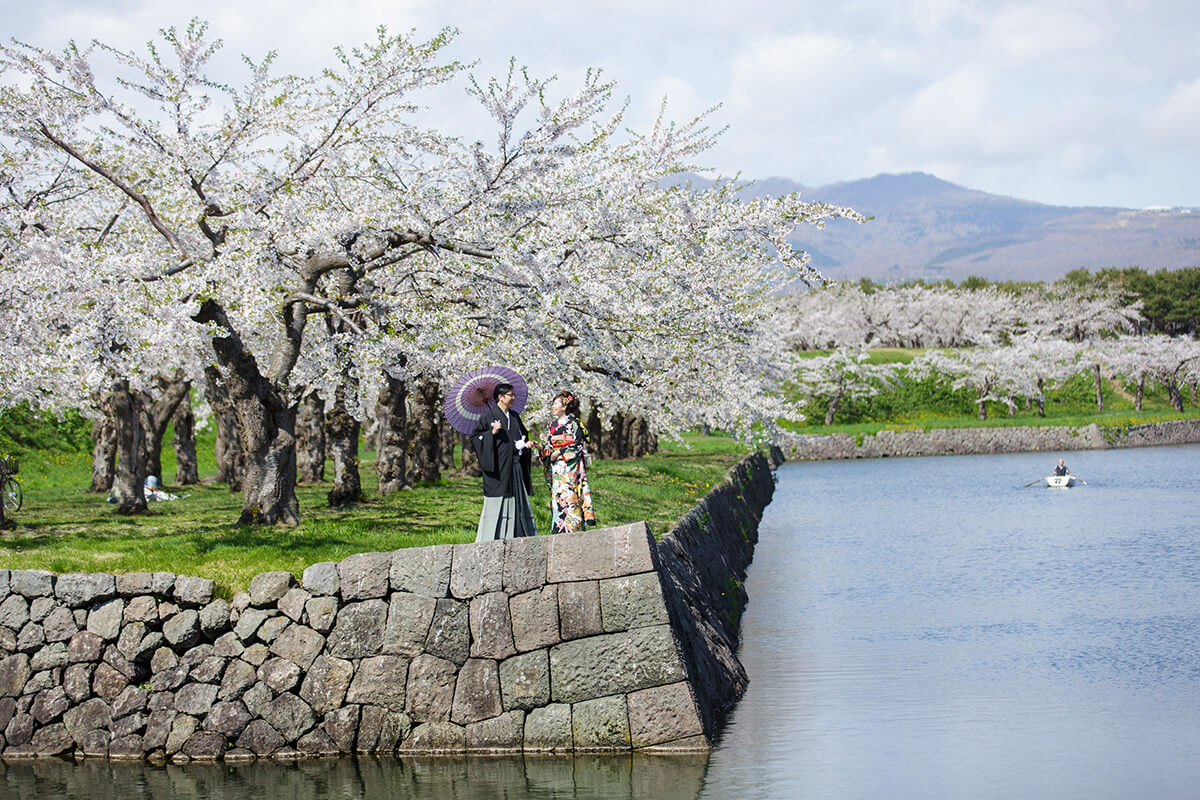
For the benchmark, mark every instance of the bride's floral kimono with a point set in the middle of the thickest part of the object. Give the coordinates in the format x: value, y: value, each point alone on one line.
x: 564, y: 455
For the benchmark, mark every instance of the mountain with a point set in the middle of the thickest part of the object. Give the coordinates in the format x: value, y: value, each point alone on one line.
x: 925, y: 227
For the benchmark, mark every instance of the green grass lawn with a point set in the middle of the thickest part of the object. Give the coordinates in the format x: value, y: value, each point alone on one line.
x: 63, y: 528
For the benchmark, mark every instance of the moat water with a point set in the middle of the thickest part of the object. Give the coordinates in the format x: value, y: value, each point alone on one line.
x: 917, y: 628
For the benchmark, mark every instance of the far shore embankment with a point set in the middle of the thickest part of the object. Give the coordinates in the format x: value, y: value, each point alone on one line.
x: 966, y: 441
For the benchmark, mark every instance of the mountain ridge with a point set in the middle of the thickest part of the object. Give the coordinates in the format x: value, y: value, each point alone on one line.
x: 924, y: 227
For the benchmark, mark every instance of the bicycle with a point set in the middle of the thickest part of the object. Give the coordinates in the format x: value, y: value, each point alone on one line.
x: 10, y: 486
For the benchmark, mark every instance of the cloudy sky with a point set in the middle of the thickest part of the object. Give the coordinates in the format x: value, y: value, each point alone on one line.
x: 1069, y: 103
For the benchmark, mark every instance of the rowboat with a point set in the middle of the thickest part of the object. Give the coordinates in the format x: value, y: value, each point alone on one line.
x: 1061, y: 481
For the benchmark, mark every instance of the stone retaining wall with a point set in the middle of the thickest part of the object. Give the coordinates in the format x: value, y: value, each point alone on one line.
x: 962, y: 441
x: 599, y: 641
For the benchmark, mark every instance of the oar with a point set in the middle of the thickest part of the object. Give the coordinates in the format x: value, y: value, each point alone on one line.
x: 1076, y: 477
x: 1031, y: 483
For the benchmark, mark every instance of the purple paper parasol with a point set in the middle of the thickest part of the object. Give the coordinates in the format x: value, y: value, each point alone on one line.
x: 472, y: 394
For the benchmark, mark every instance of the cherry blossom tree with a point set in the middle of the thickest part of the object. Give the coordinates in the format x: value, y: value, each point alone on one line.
x: 844, y: 374
x: 234, y: 214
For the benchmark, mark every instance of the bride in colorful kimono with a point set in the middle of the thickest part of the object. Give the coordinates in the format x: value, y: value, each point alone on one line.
x: 565, y: 456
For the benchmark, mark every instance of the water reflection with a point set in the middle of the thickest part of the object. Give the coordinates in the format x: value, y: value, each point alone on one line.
x: 676, y: 777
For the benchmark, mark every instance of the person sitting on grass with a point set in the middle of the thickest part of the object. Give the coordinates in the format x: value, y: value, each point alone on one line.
x: 153, y: 493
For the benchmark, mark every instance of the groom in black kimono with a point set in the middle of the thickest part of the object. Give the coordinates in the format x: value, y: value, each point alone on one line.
x: 500, y: 440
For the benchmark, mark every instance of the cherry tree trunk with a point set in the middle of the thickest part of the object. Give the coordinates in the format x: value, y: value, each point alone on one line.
x: 267, y: 424
x: 424, y: 436
x: 1041, y: 399
x: 595, y: 429
x: 231, y: 459
x: 470, y: 464
x: 613, y: 439
x: 982, y: 403
x: 342, y: 431
x: 390, y: 457
x: 1173, y: 393
x: 1141, y: 390
x: 449, y: 438
x: 310, y: 440
x: 642, y: 440
x: 104, y: 450
x: 833, y: 406
x: 131, y: 447
x: 1099, y: 393
x: 156, y: 415
x: 187, y: 471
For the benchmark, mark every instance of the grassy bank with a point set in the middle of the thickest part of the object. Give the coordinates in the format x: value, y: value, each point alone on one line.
x: 63, y: 528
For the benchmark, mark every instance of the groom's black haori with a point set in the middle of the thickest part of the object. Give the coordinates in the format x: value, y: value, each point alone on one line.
x: 507, y: 482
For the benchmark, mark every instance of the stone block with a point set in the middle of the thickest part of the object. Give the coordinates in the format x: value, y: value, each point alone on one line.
x: 429, y: 694
x: 341, y: 726
x: 201, y: 746
x: 422, y: 570
x: 105, y: 619
x: 380, y: 681
x: 14, y: 612
x: 476, y: 568
x: 168, y: 680
x: 31, y: 637
x: 365, y: 576
x: 298, y: 644
x: 18, y: 732
x: 632, y: 601
x: 40, y: 608
x: 600, y: 554
x: 248, y: 623
x: 130, y: 638
x: 325, y: 684
x: 292, y: 603
x: 613, y: 663
x: 239, y: 676
x: 108, y: 683
x: 209, y: 670
x: 256, y: 654
x: 158, y: 727
x: 270, y: 630
x: 535, y: 618
x: 359, y: 630
x: 476, y: 692
x: 321, y: 579
x: 260, y: 738
x: 196, y: 699
x: 182, y: 728
x: 408, y: 621
x: 369, y: 728
x: 128, y: 725
x: 79, y: 589
x: 257, y: 697
x: 579, y: 609
x: 316, y: 743
x: 525, y: 680
x: 134, y: 583
x: 131, y: 700
x: 279, y: 674
x: 450, y: 632
x: 77, y: 681
x: 228, y: 646
x: 548, y: 729
x: 228, y: 717
x: 289, y: 715
x: 322, y: 613
x: 182, y: 630
x: 266, y: 588
x: 663, y: 714
x: 141, y: 608
x: 502, y: 734
x: 524, y: 563
x: 193, y: 591
x: 51, y: 656
x: 52, y: 740
x: 436, y: 737
x: 214, y: 618
x: 49, y: 705
x: 31, y: 583
x: 491, y: 626
x: 600, y: 724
